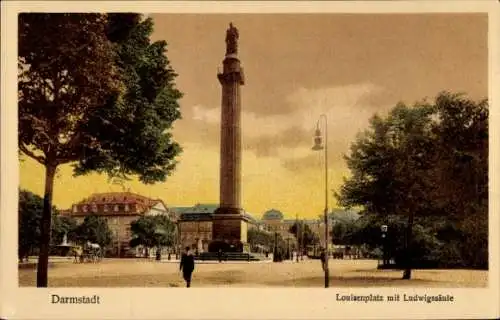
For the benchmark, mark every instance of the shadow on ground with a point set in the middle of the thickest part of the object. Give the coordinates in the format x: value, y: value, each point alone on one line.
x: 361, y: 281
x: 151, y: 276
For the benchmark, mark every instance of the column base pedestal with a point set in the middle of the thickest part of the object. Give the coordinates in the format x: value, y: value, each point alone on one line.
x: 229, y: 231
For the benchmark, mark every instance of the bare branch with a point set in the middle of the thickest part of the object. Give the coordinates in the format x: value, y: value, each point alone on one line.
x: 39, y: 159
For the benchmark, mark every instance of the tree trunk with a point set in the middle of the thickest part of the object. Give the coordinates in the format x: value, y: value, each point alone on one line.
x: 408, y: 246
x: 43, y: 257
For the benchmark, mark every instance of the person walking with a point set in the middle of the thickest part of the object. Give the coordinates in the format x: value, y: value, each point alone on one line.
x: 219, y: 255
x: 323, y: 258
x: 187, y: 266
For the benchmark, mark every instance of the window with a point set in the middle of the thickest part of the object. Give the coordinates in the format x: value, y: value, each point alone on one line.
x: 75, y: 208
x: 85, y: 208
x: 105, y: 208
x: 116, y: 208
x: 126, y: 207
x: 94, y: 208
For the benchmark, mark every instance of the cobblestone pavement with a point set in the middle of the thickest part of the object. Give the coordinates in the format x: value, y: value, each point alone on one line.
x: 307, y: 273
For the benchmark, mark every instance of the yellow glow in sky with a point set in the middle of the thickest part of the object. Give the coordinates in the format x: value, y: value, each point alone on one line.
x: 296, y: 68
x: 265, y: 184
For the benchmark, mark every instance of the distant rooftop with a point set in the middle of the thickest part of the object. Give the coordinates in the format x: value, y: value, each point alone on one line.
x: 273, y: 214
x: 200, y: 211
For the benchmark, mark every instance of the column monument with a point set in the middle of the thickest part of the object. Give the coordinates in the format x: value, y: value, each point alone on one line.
x: 229, y: 226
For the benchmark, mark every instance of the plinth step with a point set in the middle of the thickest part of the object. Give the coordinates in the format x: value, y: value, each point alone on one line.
x: 229, y: 256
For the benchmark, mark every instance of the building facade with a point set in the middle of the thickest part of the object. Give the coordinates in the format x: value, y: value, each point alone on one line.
x: 119, y: 209
x: 195, y: 225
x: 273, y: 220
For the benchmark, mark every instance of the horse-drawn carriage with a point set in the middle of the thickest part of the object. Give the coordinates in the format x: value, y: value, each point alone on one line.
x: 88, y: 252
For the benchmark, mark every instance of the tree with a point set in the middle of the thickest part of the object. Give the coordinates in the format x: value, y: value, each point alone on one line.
x: 388, y: 164
x: 304, y: 234
x: 29, y: 222
x: 63, y: 226
x: 259, y: 237
x: 30, y: 214
x: 94, y: 229
x: 344, y: 226
x: 343, y: 232
x: 97, y: 94
x: 406, y: 164
x: 462, y: 138
x: 152, y: 231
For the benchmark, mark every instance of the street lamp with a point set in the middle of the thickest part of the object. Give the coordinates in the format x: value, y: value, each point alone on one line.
x: 275, y: 251
x: 318, y: 145
x: 297, y: 237
x: 383, y: 230
x: 179, y: 242
x: 302, y: 245
x: 288, y: 247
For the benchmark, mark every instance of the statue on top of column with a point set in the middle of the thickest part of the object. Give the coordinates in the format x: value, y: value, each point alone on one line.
x: 232, y: 36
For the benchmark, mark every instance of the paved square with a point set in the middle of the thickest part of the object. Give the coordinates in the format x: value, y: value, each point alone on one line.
x: 308, y: 273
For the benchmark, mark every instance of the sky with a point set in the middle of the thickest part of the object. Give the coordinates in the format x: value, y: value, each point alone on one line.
x: 297, y: 67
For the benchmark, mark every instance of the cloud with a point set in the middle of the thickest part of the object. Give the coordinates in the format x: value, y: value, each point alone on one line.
x: 348, y: 112
x: 289, y: 137
x: 206, y: 114
x: 270, y: 144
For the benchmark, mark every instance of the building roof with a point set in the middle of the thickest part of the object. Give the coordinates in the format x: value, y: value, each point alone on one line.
x: 307, y: 221
x: 180, y: 210
x: 118, y: 197
x: 104, y: 204
x: 198, y: 212
x: 201, y: 211
x: 203, y: 208
x: 272, y: 214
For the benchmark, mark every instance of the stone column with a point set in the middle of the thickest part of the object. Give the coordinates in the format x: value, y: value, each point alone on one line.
x: 230, y: 150
x: 228, y: 219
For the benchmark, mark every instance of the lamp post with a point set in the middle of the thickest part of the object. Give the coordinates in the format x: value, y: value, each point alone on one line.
x: 275, y: 254
x: 288, y: 247
x: 302, y: 231
x: 179, y: 241
x: 383, y: 230
x: 297, y: 235
x: 318, y: 145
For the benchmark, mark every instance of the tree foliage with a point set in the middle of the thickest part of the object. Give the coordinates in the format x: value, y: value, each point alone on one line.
x: 304, y: 234
x: 63, y: 226
x: 153, y: 231
x: 94, y: 229
x: 30, y: 215
x: 437, y: 242
x: 29, y: 224
x: 260, y: 237
x: 421, y: 162
x: 343, y: 232
x: 146, y: 109
x: 61, y: 77
x: 430, y: 157
x: 96, y: 93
